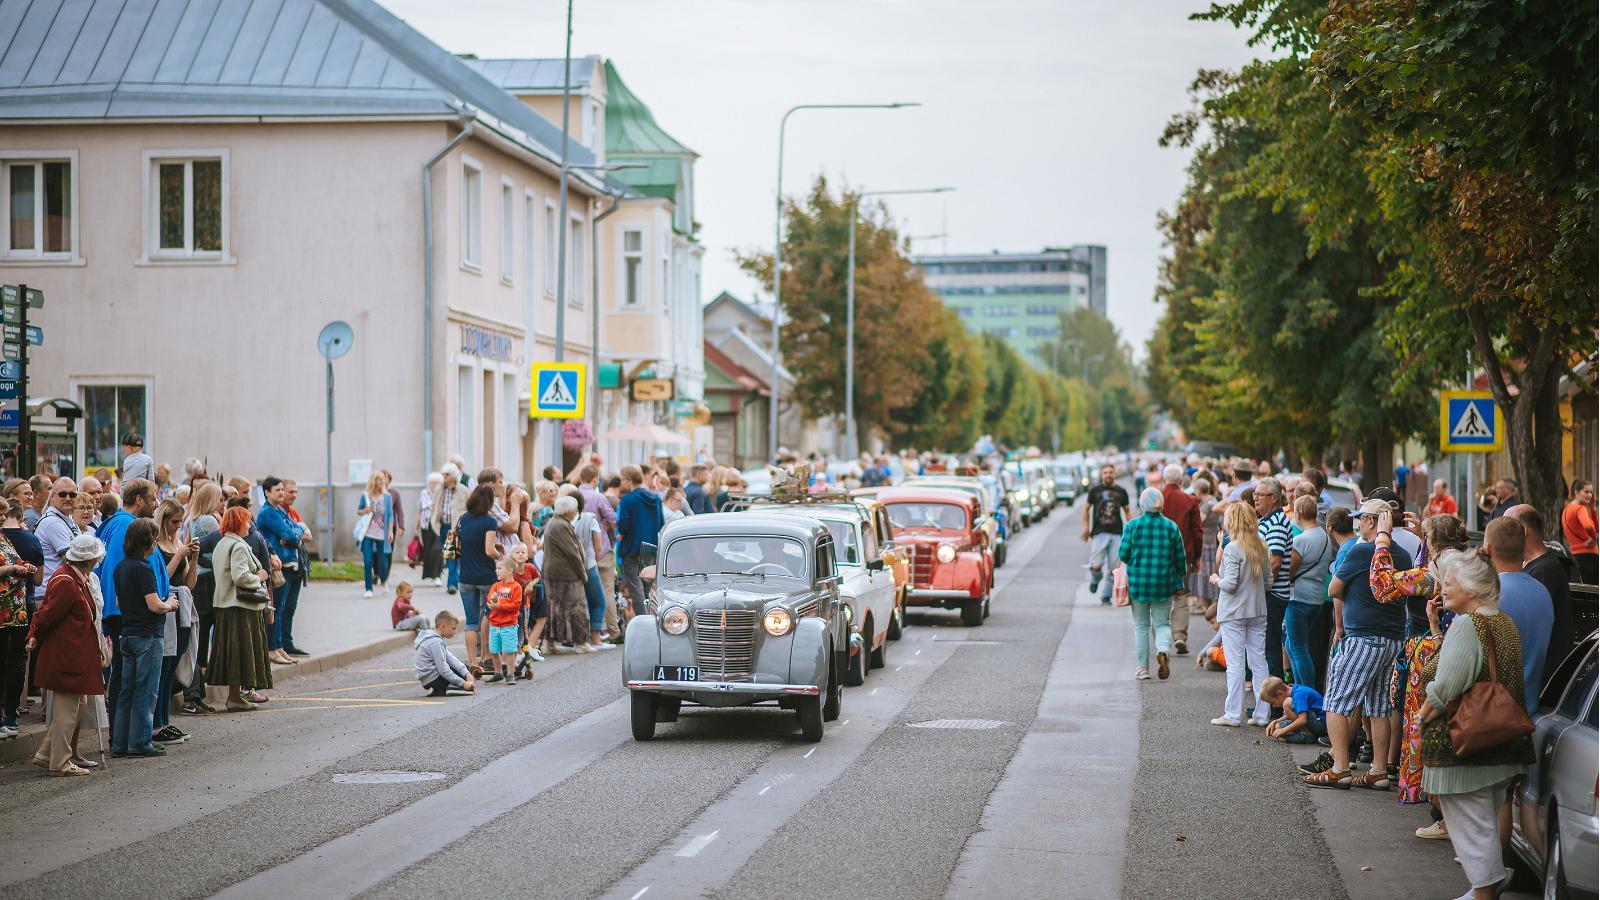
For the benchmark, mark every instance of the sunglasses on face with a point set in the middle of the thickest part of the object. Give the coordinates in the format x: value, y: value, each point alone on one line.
x: 70, y: 495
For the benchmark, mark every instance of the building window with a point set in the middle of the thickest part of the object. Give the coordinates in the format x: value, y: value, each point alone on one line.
x: 594, y: 126
x: 1001, y: 331
x: 666, y: 286
x: 1043, y: 331
x: 632, y: 266
x: 109, y: 412
x: 1000, y: 310
x: 529, y: 217
x: 551, y: 237
x: 471, y: 216
x: 40, y: 203
x: 1042, y: 310
x: 188, y: 207
x: 575, y: 279
x: 510, y: 441
x: 508, y: 253
x: 466, y: 443
x: 964, y: 312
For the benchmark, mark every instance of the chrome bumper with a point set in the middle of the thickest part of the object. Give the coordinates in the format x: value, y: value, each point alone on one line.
x: 930, y: 594
x: 724, y: 687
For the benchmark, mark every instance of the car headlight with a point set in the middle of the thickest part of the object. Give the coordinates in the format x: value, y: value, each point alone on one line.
x: 675, y: 620
x: 946, y: 553
x: 777, y: 621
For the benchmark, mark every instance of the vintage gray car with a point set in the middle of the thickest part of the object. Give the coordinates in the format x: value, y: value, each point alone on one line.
x: 746, y: 610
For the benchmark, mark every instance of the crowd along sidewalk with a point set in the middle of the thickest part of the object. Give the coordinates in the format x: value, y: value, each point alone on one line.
x: 334, y: 623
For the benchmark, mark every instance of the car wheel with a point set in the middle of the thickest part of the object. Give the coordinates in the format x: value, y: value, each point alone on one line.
x: 856, y: 674
x: 1555, y: 876
x: 644, y: 716
x: 834, y: 693
x: 1000, y: 557
x: 876, y: 657
x: 986, y: 607
x: 809, y: 711
x: 897, y: 621
x: 972, y: 613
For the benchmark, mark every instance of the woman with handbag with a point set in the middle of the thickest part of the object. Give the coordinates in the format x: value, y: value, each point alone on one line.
x: 1476, y: 734
x: 238, y: 604
x: 70, y: 652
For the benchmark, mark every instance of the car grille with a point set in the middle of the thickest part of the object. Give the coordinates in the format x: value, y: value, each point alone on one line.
x: 921, y: 565
x: 725, y: 643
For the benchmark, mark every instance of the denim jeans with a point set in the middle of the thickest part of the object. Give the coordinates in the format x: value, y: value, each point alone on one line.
x: 1275, y: 611
x: 452, y: 567
x: 371, y: 561
x: 1103, y: 550
x: 1146, y: 616
x: 141, y: 674
x: 286, y: 605
x: 475, y: 602
x: 595, y: 594
x: 1297, y: 624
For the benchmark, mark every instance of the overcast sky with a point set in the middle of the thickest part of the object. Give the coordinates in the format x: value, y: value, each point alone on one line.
x: 1044, y: 114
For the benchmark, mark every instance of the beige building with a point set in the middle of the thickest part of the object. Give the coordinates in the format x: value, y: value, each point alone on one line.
x: 198, y: 190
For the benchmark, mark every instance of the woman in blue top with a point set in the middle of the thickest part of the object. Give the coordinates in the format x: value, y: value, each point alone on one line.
x: 479, y: 549
x: 375, y: 546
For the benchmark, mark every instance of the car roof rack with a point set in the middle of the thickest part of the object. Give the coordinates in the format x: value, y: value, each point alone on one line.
x: 739, y: 502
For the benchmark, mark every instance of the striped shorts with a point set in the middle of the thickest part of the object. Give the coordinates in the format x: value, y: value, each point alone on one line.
x: 1358, y: 678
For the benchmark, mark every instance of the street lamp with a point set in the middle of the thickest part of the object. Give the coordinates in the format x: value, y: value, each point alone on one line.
x: 777, y: 248
x: 850, y: 444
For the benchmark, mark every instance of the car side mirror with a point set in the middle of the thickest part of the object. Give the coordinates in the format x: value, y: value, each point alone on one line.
x: 830, y: 581
x: 874, y: 565
x: 647, y: 547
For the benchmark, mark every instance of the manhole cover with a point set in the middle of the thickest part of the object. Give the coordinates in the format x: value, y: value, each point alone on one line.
x: 387, y: 777
x: 968, y: 724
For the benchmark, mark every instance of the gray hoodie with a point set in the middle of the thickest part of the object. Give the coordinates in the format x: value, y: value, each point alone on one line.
x: 434, y: 660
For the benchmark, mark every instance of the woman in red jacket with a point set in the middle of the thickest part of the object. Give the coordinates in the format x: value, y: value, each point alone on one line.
x: 1578, y: 521
x: 67, y: 649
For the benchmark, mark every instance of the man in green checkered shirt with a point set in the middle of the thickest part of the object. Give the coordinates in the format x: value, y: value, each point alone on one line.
x: 1152, y: 548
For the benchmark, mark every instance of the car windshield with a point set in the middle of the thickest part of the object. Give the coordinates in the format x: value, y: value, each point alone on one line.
x: 712, y: 555
x: 947, y: 516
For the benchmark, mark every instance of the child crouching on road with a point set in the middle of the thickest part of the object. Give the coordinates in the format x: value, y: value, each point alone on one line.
x: 1302, y: 721
x: 402, y: 614
x: 505, y: 617
x: 437, y: 668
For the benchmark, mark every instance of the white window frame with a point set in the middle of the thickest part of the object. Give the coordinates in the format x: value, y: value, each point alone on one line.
x: 75, y: 385
x: 576, y: 282
x: 508, y: 230
x: 530, y: 210
x: 641, y: 277
x: 149, y: 203
x: 552, y: 247
x: 471, y: 215
x: 38, y: 255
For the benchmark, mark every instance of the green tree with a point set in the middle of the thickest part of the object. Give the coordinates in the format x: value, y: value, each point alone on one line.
x: 949, y: 410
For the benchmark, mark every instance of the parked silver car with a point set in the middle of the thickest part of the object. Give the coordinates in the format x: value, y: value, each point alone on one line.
x: 1553, y: 828
x: 747, y: 610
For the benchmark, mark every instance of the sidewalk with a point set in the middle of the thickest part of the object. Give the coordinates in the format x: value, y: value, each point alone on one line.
x: 333, y: 623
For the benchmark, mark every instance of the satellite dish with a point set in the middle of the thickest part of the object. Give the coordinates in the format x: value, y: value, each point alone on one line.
x: 335, y: 339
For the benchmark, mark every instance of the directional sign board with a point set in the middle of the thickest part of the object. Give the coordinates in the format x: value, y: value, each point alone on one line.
x: 8, y: 389
x: 1470, y: 422
x: 10, y: 418
x: 558, y: 391
x: 35, y: 336
x: 35, y: 298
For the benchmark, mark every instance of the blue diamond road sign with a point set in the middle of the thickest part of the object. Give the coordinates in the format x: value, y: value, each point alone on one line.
x: 1470, y: 422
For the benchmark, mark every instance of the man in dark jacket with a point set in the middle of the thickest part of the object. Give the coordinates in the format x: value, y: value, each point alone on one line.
x: 694, y: 491
x: 1548, y: 568
x: 1184, y: 512
x: 638, y: 523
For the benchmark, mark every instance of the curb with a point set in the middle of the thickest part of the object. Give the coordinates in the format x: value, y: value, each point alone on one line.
x: 25, y: 744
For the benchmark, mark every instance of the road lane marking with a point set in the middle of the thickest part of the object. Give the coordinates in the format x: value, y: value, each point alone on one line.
x: 641, y: 893
x: 360, y: 687
x: 389, y: 700
x: 845, y: 722
x: 898, y: 668
x: 758, y: 793
x: 874, y: 692
x: 918, y: 653
x: 809, y: 752
x: 695, y: 846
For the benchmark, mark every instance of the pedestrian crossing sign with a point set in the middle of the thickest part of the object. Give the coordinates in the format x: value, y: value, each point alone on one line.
x: 1470, y: 422
x: 557, y: 391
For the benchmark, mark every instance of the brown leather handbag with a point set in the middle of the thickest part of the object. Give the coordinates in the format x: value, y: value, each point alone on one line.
x: 1486, y: 715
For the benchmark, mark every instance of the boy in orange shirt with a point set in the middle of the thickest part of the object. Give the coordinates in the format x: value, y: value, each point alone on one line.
x: 505, y: 615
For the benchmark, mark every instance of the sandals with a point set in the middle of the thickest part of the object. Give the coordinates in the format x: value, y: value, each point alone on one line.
x: 68, y: 770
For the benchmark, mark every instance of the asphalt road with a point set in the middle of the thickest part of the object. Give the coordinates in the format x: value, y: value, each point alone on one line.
x: 1072, y: 780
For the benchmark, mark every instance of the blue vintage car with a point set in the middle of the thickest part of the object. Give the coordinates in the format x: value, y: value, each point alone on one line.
x: 747, y: 610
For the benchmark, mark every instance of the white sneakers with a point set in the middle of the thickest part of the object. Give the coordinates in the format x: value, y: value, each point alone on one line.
x: 367, y: 595
x: 1434, y: 832
x: 1142, y: 675
x: 1226, y: 722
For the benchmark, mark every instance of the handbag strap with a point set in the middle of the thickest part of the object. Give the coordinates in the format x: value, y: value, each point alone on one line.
x: 1486, y: 633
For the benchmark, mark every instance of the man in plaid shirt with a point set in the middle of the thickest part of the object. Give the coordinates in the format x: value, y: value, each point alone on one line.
x: 1152, y: 548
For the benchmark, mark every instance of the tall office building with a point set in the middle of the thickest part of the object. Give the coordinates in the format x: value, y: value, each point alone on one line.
x: 1020, y: 296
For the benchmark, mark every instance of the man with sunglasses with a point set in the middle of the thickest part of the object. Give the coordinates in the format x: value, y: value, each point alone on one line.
x: 55, y: 530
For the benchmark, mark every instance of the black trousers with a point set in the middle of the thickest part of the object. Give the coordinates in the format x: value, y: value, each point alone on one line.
x: 437, y: 687
x: 432, y: 554
x: 13, y: 668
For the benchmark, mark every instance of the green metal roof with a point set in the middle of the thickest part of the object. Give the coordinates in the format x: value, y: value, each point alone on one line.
x: 631, y: 129
x: 659, y: 178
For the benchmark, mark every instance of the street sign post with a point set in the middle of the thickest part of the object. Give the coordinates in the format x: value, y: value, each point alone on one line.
x: 334, y: 341
x: 558, y: 391
x: 1470, y: 422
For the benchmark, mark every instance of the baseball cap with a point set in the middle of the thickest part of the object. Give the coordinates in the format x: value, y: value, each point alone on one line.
x: 1375, y: 508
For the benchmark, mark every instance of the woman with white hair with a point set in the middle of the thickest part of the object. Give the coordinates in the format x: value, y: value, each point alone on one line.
x: 1152, y: 548
x: 564, y: 577
x: 1482, y: 645
x: 427, y: 533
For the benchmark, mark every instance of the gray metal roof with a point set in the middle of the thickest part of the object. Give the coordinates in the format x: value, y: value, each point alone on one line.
x: 534, y: 74
x: 86, y: 59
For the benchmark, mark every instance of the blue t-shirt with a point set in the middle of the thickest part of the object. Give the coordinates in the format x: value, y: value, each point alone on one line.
x: 1363, y: 615
x: 1528, y: 604
x: 1305, y: 698
x: 476, y: 566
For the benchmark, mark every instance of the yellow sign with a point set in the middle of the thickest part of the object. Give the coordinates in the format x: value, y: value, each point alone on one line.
x: 648, y: 389
x: 1470, y: 422
x: 558, y: 391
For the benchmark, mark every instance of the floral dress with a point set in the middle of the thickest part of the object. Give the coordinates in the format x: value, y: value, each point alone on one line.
x: 1409, y: 684
x: 13, y: 592
x: 1200, y: 582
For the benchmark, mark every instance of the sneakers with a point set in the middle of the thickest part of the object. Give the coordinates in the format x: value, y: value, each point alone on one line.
x: 582, y: 647
x: 1180, y: 648
x: 1434, y: 832
x: 1142, y: 674
x: 1225, y: 722
x: 367, y: 595
x: 1372, y: 781
x: 598, y: 647
x: 7, y: 732
x: 493, y: 678
x: 1162, y: 669
x: 1317, y: 766
x: 255, y: 696
x: 1094, y: 583
x: 535, y: 655
x: 171, y: 734
x: 1331, y: 778
x: 193, y: 708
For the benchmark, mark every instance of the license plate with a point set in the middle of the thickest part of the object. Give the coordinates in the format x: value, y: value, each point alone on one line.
x: 677, y: 673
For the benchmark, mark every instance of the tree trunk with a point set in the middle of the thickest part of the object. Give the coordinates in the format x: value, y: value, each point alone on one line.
x: 1533, y: 416
x: 1377, y: 469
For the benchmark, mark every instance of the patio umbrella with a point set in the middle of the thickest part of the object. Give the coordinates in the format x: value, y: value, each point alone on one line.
x: 647, y: 432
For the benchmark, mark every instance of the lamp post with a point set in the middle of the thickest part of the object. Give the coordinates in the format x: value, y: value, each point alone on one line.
x: 850, y: 440
x: 777, y: 247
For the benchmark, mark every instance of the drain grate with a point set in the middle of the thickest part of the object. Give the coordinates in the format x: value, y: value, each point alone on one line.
x: 967, y: 724
x: 385, y: 777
